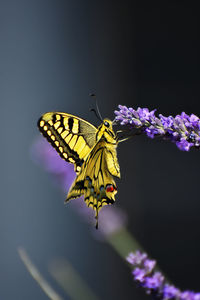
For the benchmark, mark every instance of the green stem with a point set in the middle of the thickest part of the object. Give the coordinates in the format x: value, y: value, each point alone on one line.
x: 123, y: 242
x: 45, y: 286
x: 71, y: 282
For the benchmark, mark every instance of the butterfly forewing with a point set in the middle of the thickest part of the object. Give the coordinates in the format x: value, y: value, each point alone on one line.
x: 71, y: 136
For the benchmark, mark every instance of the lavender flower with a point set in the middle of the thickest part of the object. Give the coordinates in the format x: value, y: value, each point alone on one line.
x: 112, y: 220
x: 183, y: 129
x: 46, y: 156
x: 153, y: 281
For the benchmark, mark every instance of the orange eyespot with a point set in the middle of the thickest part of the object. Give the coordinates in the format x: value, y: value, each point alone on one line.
x: 110, y: 188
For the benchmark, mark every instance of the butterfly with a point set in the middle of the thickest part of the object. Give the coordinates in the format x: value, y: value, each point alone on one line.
x: 92, y: 150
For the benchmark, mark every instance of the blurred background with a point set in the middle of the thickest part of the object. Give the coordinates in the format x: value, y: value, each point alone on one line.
x: 136, y: 53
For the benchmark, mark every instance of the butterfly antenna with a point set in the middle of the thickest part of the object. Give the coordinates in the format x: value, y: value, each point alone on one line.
x: 97, y: 111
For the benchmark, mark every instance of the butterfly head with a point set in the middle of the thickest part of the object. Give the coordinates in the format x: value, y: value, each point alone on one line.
x: 105, y: 131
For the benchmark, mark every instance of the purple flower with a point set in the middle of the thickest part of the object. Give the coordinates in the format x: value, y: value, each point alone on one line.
x: 136, y: 258
x: 46, y: 156
x: 184, y: 144
x: 154, y: 282
x: 170, y: 292
x: 167, y: 122
x: 149, y: 265
x: 188, y: 295
x: 112, y: 220
x: 183, y: 129
x: 139, y: 274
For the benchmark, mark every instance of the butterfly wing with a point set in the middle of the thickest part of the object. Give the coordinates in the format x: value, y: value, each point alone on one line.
x: 95, y: 180
x: 71, y: 136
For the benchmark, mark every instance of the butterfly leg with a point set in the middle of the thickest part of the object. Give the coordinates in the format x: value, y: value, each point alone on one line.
x: 119, y: 131
x: 129, y: 136
x: 122, y: 140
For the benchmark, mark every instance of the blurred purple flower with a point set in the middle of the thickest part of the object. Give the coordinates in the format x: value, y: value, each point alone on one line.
x: 183, y: 129
x: 111, y: 219
x: 153, y: 281
x: 46, y: 156
x: 170, y: 291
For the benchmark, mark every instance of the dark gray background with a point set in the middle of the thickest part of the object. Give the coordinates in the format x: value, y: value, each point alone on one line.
x: 137, y: 53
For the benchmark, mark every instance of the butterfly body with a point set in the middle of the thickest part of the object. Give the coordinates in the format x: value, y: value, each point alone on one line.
x: 92, y: 151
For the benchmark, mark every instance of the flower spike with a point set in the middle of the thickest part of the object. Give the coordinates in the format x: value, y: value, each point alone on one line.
x: 154, y: 282
x: 183, y: 129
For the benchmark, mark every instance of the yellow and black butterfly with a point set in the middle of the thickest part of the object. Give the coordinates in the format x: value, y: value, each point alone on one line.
x: 92, y: 150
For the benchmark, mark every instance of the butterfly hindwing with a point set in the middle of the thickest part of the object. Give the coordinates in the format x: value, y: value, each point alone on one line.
x: 95, y: 180
x: 71, y: 136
